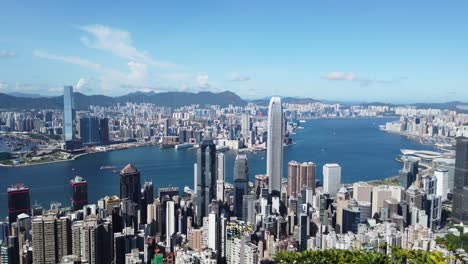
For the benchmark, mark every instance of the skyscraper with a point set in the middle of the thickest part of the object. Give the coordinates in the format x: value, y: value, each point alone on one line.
x: 18, y: 201
x: 79, y: 188
x: 89, y: 130
x: 275, y: 146
x: 104, y: 130
x: 241, y: 182
x: 206, y: 178
x: 293, y: 175
x: 407, y: 175
x: 170, y: 221
x: 130, y: 184
x: 221, y: 167
x: 68, y: 114
x: 331, y: 178
x: 460, y: 192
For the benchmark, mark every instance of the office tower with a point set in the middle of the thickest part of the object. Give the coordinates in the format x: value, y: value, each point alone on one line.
x: 68, y: 114
x: 170, y: 222
x: 307, y: 176
x: 130, y: 184
x: 460, y: 191
x: 441, y: 175
x: 246, y: 127
x: 89, y: 130
x: 362, y: 191
x: 429, y: 184
x: 79, y: 189
x: 293, y: 175
x: 365, y: 210
x: 147, y: 198
x: 408, y: 174
x: 212, y: 231
x: 18, y: 201
x: 351, y: 217
x: 241, y: 182
x: 414, y: 197
x: 104, y: 130
x: 433, y: 207
x: 381, y: 193
x: 206, y: 178
x: 248, y: 209
x: 342, y: 200
x: 221, y: 168
x: 331, y: 178
x: 275, y: 146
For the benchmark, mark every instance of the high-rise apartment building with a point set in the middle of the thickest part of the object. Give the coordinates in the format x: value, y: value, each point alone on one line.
x: 275, y: 136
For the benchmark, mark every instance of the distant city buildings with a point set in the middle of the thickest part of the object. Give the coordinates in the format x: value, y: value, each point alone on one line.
x: 247, y: 220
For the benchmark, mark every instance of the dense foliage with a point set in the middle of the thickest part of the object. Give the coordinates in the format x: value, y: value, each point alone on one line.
x: 360, y: 256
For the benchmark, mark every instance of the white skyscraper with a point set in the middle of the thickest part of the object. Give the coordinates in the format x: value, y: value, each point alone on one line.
x: 221, y: 171
x: 442, y: 187
x: 212, y: 234
x: 170, y: 222
x: 331, y: 178
x: 275, y: 145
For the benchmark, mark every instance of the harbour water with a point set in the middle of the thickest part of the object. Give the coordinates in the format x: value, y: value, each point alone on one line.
x: 364, y: 152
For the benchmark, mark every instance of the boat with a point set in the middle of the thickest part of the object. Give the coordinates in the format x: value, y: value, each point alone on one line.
x: 107, y: 167
x: 222, y: 148
x: 183, y: 145
x: 302, y: 121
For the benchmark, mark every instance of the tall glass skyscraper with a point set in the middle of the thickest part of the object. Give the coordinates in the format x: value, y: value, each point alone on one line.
x: 241, y: 183
x: 460, y: 192
x: 275, y: 146
x: 206, y: 178
x: 68, y: 114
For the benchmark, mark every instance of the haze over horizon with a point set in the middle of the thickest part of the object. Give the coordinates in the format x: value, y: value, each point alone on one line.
x: 396, y: 52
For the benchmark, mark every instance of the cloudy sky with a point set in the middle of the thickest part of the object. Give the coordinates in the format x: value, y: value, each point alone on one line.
x: 392, y: 51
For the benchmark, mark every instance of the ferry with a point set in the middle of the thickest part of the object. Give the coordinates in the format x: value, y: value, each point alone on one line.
x: 222, y: 148
x: 302, y: 121
x: 183, y: 146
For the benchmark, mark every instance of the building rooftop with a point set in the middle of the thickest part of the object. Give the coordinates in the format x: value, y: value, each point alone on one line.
x: 129, y: 169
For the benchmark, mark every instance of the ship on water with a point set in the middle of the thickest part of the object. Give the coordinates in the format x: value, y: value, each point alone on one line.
x: 183, y: 146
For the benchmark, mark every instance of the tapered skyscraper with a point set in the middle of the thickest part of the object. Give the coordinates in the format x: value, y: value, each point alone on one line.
x: 68, y: 114
x: 275, y: 145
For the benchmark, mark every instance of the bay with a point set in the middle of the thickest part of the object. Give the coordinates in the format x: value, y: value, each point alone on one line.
x: 363, y: 151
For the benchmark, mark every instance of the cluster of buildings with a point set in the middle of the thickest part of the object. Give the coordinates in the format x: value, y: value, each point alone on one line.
x: 429, y: 123
x: 246, y: 221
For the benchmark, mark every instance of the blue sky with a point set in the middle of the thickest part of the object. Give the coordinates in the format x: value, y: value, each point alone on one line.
x: 391, y: 51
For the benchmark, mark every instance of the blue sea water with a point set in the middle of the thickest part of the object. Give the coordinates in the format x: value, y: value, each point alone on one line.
x: 363, y: 151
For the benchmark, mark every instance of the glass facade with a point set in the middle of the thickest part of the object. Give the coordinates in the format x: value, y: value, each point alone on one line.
x: 68, y: 113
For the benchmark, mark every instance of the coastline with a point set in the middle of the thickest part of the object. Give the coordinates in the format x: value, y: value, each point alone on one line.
x: 75, y: 157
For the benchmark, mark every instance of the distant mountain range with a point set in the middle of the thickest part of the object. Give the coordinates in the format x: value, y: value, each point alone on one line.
x: 82, y: 101
x: 17, y: 100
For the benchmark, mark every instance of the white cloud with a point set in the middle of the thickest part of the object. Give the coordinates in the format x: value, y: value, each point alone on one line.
x: 137, y: 71
x: 5, y: 54
x: 72, y: 60
x: 119, y: 43
x: 339, y: 76
x: 203, y: 81
x: 80, y: 85
x: 3, y: 85
x: 363, y: 81
x: 237, y: 77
